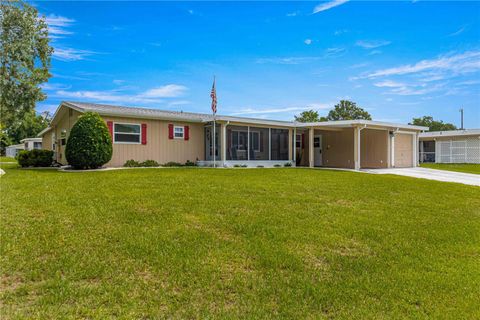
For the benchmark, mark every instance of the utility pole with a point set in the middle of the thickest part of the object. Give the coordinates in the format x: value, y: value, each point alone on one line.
x: 461, y: 115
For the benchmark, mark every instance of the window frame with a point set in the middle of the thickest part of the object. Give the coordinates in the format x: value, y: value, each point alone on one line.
x: 175, y: 133
x: 246, y: 144
x: 129, y: 133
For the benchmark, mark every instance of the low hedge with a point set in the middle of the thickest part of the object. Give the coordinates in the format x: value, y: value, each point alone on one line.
x: 35, y: 158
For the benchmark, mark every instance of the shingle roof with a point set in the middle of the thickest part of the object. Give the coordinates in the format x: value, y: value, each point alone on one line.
x: 105, y: 109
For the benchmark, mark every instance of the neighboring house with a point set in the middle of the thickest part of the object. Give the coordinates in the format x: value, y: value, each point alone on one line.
x: 142, y: 134
x: 26, y: 144
x: 456, y: 146
x: 32, y: 143
x: 13, y: 150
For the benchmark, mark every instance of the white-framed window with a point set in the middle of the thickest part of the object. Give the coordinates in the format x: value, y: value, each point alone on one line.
x: 127, y: 133
x: 178, y: 132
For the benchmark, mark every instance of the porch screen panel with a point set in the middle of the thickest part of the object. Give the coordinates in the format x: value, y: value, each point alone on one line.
x: 259, y: 143
x: 279, y: 141
x: 237, y: 143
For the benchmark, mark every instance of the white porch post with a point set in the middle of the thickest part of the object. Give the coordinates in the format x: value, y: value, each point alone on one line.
x: 356, y: 147
x: 311, y: 162
x: 270, y: 144
x: 223, y: 143
x: 290, y: 142
x: 392, y: 157
x: 248, y: 143
x: 294, y: 145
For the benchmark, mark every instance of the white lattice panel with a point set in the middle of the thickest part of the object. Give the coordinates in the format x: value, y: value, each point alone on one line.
x: 458, y: 151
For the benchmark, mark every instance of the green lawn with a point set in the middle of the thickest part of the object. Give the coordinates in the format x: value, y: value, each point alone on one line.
x: 7, y: 159
x: 237, y: 243
x: 460, y: 167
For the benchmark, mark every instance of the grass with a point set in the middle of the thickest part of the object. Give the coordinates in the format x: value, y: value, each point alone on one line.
x: 458, y: 167
x: 7, y: 159
x: 228, y: 243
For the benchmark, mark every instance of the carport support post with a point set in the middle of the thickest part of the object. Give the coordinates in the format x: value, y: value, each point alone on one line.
x: 310, y: 148
x: 356, y: 147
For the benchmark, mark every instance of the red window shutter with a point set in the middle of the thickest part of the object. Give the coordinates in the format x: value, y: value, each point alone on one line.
x: 110, y: 127
x: 186, y: 133
x: 170, y: 131
x: 144, y: 133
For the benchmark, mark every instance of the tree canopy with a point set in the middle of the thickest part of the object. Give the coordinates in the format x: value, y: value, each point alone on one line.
x: 348, y: 110
x: 309, y: 116
x: 25, y: 55
x: 433, y: 125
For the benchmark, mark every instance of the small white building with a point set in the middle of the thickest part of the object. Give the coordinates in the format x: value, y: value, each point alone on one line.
x: 12, y: 151
x: 456, y: 146
x: 26, y: 144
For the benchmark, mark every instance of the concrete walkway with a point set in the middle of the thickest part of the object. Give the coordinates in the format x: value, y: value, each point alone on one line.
x: 431, y: 174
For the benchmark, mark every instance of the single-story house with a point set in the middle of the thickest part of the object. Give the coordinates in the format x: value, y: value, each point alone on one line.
x: 26, y: 144
x: 143, y: 134
x: 456, y: 146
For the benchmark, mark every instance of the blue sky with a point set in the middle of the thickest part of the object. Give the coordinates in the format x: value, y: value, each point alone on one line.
x: 397, y: 60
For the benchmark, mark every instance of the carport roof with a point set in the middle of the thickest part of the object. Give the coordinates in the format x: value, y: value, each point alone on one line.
x: 366, y: 123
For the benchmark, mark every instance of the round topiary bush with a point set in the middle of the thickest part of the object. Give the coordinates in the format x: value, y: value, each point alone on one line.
x: 89, y: 145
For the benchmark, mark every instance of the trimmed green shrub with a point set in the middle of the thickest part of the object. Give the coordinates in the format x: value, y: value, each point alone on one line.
x: 131, y: 164
x: 288, y: 164
x: 89, y: 145
x: 277, y: 165
x: 236, y: 166
x: 35, y: 158
x: 190, y: 164
x: 259, y: 166
x: 244, y: 166
x: 149, y: 163
x: 172, y: 164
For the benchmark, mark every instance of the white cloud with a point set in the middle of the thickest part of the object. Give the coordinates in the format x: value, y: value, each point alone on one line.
x: 328, y: 5
x: 167, y: 91
x: 389, y: 84
x: 308, y: 41
x: 71, y: 54
x: 57, y: 25
x: 151, y: 96
x: 339, y: 32
x: 334, y: 52
x: 459, y: 31
x: 118, y: 82
x: 458, y: 64
x: 265, y: 111
x: 292, y: 14
x: 372, y: 44
x: 286, y: 60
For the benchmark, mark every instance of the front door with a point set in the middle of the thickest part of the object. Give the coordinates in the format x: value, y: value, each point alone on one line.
x: 317, y: 151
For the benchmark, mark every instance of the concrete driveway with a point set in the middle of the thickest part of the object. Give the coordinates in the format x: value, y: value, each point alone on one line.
x: 431, y: 174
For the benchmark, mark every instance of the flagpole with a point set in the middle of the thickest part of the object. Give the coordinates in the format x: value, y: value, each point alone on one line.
x: 214, y: 142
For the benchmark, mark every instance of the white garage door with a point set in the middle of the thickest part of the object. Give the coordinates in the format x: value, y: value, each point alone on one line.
x: 403, y: 150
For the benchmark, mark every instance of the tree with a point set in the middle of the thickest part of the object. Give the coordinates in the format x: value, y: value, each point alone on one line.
x: 29, y: 126
x: 433, y: 125
x: 25, y: 55
x: 89, y: 145
x: 348, y: 110
x: 309, y: 116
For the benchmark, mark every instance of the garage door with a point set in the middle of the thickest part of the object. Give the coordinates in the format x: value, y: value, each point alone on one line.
x: 403, y: 150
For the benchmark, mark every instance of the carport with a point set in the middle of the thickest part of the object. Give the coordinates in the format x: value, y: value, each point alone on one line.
x: 356, y: 144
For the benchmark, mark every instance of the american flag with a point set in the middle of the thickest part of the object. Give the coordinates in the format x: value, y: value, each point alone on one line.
x: 213, y: 95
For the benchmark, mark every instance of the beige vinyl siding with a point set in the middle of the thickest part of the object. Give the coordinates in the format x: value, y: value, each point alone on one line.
x: 403, y: 150
x: 47, y: 140
x: 159, y: 147
x: 67, y: 119
x: 374, y: 148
